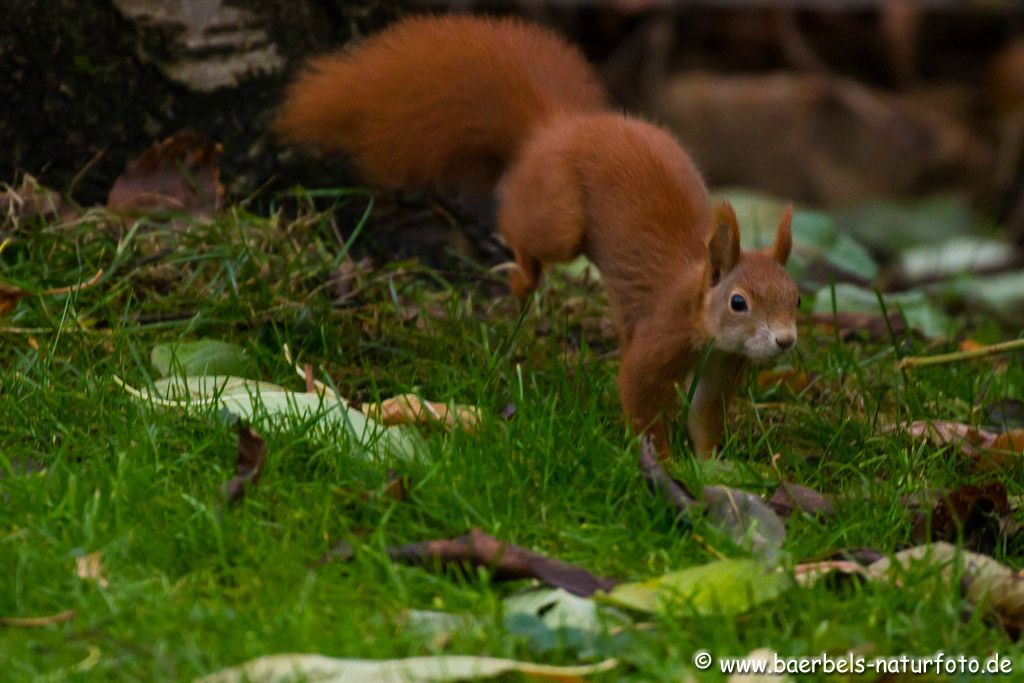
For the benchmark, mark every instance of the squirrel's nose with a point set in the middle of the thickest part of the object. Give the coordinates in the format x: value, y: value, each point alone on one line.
x: 785, y: 342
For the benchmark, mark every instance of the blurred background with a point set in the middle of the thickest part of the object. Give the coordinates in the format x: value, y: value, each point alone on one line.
x: 897, y: 124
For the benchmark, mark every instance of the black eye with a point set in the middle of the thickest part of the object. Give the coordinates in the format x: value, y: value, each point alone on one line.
x: 799, y: 300
x: 738, y: 303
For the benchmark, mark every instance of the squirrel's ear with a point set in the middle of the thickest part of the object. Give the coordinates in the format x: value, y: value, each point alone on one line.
x: 724, y: 247
x: 784, y: 237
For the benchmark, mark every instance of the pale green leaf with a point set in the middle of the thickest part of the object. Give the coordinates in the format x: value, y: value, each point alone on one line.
x: 558, y: 608
x: 955, y: 256
x: 1002, y: 294
x: 918, y: 310
x: 725, y: 587
x: 272, y: 407
x: 321, y: 669
x: 202, y: 357
x: 749, y: 521
x: 890, y: 226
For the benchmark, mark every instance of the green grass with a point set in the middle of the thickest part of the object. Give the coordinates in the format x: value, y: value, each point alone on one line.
x: 195, y: 585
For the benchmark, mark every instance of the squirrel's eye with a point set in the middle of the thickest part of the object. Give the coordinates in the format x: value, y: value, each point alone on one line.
x: 799, y: 300
x: 738, y: 303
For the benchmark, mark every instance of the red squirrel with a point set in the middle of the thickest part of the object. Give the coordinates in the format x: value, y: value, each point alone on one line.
x: 506, y: 106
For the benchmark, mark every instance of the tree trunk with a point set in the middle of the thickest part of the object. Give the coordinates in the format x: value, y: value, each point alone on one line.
x: 89, y: 84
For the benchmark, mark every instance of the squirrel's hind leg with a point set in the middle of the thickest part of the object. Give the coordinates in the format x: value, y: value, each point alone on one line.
x: 525, y: 276
x: 541, y: 211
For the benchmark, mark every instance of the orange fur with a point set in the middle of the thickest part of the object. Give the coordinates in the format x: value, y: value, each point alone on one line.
x: 503, y: 104
x: 438, y: 100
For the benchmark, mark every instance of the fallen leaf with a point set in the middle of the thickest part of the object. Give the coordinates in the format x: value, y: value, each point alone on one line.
x: 1012, y: 441
x: 892, y: 226
x: 956, y: 256
x: 941, y: 433
x: 559, y: 609
x: 344, y: 276
x: 273, y: 408
x: 747, y: 519
x: 179, y: 174
x: 505, y: 560
x: 438, y: 627
x: 793, y: 379
x: 869, y: 326
x: 396, y: 488
x: 790, y: 497
x: 10, y: 295
x: 90, y: 568
x: 411, y: 409
x: 724, y: 588
x: 33, y: 622
x: 917, y: 310
x: 201, y: 357
x: 991, y: 586
x: 1001, y: 293
x: 548, y: 617
x: 971, y: 345
x: 975, y: 513
x: 810, y: 573
x: 31, y: 200
x: 306, y: 667
x: 252, y: 454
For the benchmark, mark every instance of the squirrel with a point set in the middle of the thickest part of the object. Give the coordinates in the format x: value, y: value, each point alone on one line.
x: 505, y: 106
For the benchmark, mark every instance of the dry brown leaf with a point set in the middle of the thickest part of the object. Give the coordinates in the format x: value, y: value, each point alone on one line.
x: 988, y: 584
x: 977, y: 515
x: 31, y: 200
x: 970, y: 345
x: 790, y: 497
x: 180, y: 173
x: 505, y: 560
x: 90, y: 568
x: 947, y: 433
x: 1012, y: 440
x: 252, y: 454
x: 9, y: 297
x: 809, y: 573
x: 1003, y: 453
x: 795, y: 380
x: 411, y: 409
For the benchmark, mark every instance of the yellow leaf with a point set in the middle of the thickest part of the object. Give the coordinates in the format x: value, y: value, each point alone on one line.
x: 411, y: 409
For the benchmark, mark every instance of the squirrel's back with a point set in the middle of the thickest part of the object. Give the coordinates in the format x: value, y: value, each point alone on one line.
x: 439, y: 100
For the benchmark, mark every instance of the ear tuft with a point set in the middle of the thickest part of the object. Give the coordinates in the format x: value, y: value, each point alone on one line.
x: 784, y: 237
x: 724, y: 247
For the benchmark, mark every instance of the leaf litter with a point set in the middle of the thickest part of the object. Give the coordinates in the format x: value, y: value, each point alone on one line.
x: 252, y: 454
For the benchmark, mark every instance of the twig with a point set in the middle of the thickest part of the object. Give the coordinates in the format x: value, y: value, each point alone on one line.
x: 32, y: 622
x: 73, y: 288
x: 659, y: 481
x: 942, y: 358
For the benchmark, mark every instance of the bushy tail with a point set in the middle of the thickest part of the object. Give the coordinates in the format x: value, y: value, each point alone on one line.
x: 438, y: 100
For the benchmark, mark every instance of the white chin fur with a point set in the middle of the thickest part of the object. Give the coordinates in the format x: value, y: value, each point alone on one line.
x: 763, y: 347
